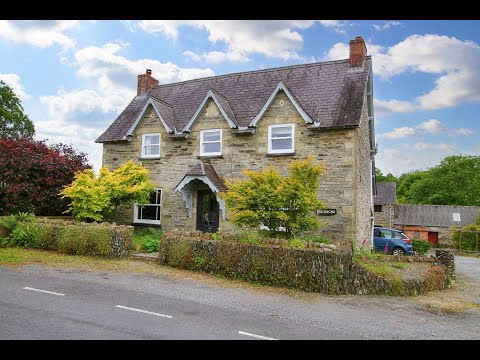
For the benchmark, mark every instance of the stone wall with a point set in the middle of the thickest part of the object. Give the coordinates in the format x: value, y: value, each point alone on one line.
x: 337, y: 148
x: 312, y: 270
x: 447, y: 259
x: 363, y: 182
x: 385, y: 217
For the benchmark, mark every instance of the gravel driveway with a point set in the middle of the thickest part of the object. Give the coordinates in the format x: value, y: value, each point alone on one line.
x: 469, y: 267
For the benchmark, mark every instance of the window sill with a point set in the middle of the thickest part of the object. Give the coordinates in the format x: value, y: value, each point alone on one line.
x: 146, y: 224
x: 149, y: 158
x: 210, y: 157
x: 281, y: 154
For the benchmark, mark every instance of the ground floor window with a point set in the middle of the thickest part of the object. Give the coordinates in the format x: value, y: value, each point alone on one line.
x: 149, y: 213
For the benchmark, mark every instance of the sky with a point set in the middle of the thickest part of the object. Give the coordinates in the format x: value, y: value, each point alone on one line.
x: 75, y: 76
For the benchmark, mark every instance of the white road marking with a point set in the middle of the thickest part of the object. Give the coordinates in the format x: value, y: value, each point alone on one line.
x: 256, y: 336
x: 44, y: 291
x: 143, y: 311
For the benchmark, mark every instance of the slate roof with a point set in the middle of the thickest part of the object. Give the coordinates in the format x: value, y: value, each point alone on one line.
x: 434, y: 215
x: 331, y: 93
x: 386, y: 193
x: 206, y: 169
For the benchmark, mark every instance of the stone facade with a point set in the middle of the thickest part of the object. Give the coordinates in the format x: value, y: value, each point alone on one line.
x: 385, y: 217
x: 345, y: 185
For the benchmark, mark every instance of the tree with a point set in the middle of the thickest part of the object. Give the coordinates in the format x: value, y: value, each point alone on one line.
x: 269, y: 199
x: 455, y: 181
x: 97, y: 198
x: 13, y: 122
x: 380, y: 177
x: 32, y: 173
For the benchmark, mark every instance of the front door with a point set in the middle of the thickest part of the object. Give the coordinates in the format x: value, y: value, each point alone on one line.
x: 207, y: 211
x: 433, y: 238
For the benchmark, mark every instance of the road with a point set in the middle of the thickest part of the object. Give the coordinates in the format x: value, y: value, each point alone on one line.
x: 468, y: 266
x: 44, y: 303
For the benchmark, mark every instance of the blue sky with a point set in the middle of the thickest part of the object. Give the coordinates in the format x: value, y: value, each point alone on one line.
x: 75, y: 77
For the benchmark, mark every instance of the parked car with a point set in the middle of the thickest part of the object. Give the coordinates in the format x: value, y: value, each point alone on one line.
x: 392, y: 241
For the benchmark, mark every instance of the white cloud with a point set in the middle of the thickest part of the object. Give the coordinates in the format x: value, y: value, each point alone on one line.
x: 386, y: 25
x: 272, y: 38
x: 389, y: 106
x: 399, y: 133
x: 462, y: 132
x: 216, y: 57
x: 13, y: 80
x: 41, y: 33
x: 432, y: 126
x: 427, y: 146
x: 454, y: 61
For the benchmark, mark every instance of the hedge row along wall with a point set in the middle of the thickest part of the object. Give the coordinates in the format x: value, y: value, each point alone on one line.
x: 78, y: 238
x: 312, y: 270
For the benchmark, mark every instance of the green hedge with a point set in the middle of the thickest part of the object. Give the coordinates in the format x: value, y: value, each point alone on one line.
x: 421, y: 246
x: 465, y: 238
x: 72, y: 237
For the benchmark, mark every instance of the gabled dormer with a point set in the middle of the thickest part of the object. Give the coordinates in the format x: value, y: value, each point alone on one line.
x: 222, y: 103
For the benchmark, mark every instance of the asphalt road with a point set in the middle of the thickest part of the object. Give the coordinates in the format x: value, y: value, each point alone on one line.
x: 117, y: 305
x: 468, y: 266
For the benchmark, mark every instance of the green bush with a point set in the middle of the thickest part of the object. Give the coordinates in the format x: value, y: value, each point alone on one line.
x: 315, y: 239
x: 249, y: 236
x: 421, y: 246
x: 27, y: 235
x: 297, y: 243
x: 11, y: 221
x: 146, y: 240
x: 150, y: 244
x: 84, y: 240
x: 466, y: 238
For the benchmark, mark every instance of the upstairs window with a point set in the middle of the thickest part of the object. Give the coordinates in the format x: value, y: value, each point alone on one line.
x: 378, y: 208
x: 281, y: 139
x: 149, y: 213
x: 210, y: 142
x: 150, y: 145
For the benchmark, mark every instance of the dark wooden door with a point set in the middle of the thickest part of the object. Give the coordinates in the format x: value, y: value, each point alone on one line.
x: 433, y: 237
x: 207, y: 211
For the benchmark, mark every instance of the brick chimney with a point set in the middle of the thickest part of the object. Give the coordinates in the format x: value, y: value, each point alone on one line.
x: 358, y: 51
x: 145, y: 82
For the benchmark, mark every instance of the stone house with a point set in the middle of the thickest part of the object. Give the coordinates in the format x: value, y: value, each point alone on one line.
x: 432, y: 222
x: 192, y: 135
x: 384, y: 203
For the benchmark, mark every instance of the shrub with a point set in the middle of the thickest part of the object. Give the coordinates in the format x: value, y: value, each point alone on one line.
x: 297, y: 243
x: 466, y: 238
x: 315, y: 239
x: 150, y: 244
x: 421, y: 246
x: 249, y: 236
x: 27, y: 235
x: 146, y: 240
x: 84, y: 240
x: 11, y: 221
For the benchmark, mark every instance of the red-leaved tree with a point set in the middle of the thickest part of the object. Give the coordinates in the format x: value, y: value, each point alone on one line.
x: 33, y: 173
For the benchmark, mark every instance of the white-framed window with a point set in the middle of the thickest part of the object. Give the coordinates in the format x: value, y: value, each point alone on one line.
x: 150, y: 146
x: 281, y: 139
x: 149, y: 213
x: 211, y: 142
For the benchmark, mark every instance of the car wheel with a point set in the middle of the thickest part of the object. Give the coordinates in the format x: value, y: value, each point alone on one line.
x: 398, y: 251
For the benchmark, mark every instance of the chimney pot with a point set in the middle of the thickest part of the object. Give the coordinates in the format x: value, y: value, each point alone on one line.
x: 148, y: 72
x: 358, y: 51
